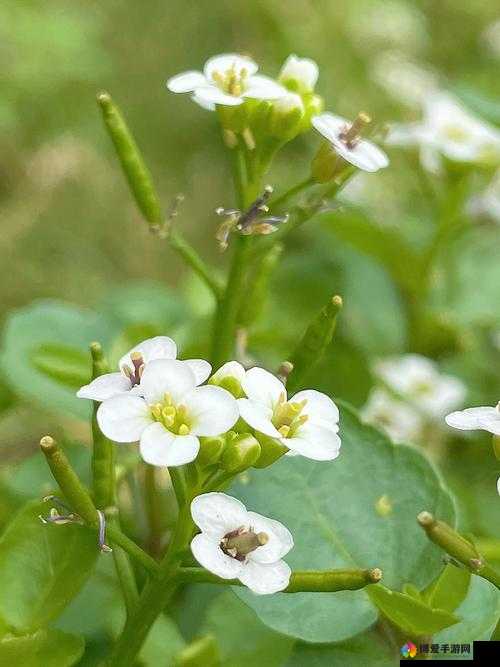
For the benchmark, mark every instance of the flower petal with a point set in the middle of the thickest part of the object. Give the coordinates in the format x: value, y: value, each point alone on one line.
x: 209, y: 106
x: 301, y: 70
x: 262, y: 386
x: 217, y: 514
x: 212, y: 410
x: 258, y: 416
x: 365, y: 155
x: 227, y: 61
x: 200, y: 368
x: 229, y: 369
x: 159, y: 347
x: 264, y: 88
x: 163, y: 448
x: 329, y: 126
x: 212, y: 558
x: 469, y: 419
x: 280, y: 539
x: 208, y: 95
x: 186, y: 82
x: 315, y: 442
x: 319, y: 407
x: 265, y: 579
x: 166, y: 376
x: 105, y: 386
x: 491, y: 424
x: 123, y: 418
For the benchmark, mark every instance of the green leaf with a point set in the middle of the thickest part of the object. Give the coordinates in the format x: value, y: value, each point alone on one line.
x: 365, y: 649
x: 67, y: 365
x: 41, y: 567
x: 47, y: 647
x: 47, y: 326
x: 479, y: 614
x: 411, y: 615
x: 449, y: 589
x: 243, y: 639
x: 330, y: 508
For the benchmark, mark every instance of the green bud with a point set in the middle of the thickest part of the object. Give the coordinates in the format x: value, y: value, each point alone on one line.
x: 286, y: 117
x: 271, y: 450
x: 241, y: 452
x: 210, y: 450
x: 324, y: 164
x: 314, y: 105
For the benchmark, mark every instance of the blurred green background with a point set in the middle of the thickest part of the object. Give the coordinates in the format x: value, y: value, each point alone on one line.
x: 71, y: 232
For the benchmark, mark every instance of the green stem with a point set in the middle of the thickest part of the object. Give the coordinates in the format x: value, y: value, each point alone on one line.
x: 179, y: 484
x: 153, y: 510
x: 280, y: 201
x: 125, y: 572
x: 193, y: 259
x: 317, y: 581
x: 458, y: 547
x: 116, y: 537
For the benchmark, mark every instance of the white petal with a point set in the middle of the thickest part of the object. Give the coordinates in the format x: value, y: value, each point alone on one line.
x: 366, y: 156
x: 200, y: 368
x: 159, y: 347
x: 498, y: 486
x: 264, y: 88
x: 208, y: 95
x: 227, y: 61
x: 186, y: 82
x: 212, y: 410
x: 262, y: 386
x: 229, y: 369
x: 315, y: 442
x: 265, y: 579
x: 468, y: 419
x: 491, y: 424
x: 303, y: 70
x: 258, y: 416
x: 166, y: 376
x: 105, y: 386
x: 319, y: 407
x: 209, y: 106
x: 329, y: 126
x: 217, y: 514
x: 280, y: 539
x: 212, y: 558
x: 163, y: 448
x: 123, y: 418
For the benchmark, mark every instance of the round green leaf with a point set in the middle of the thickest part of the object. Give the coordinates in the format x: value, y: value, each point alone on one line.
x: 48, y: 647
x: 41, y: 567
x: 331, y: 510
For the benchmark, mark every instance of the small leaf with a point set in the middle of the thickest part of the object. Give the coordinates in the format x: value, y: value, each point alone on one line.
x: 47, y: 647
x: 450, y: 588
x: 67, y: 365
x: 41, y: 567
x: 412, y: 616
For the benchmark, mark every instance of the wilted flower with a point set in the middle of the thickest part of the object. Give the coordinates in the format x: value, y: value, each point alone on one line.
x: 132, y: 366
x: 299, y: 74
x: 448, y: 130
x: 237, y: 544
x: 470, y: 419
x: 396, y: 418
x: 226, y: 80
x: 418, y: 381
x: 345, y: 138
x: 169, y: 414
x: 307, y: 423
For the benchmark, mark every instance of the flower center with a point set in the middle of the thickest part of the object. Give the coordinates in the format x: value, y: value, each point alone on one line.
x: 286, y: 416
x: 135, y: 374
x: 456, y: 133
x: 174, y: 418
x: 242, y: 541
x: 423, y: 388
x: 351, y: 134
x: 233, y: 81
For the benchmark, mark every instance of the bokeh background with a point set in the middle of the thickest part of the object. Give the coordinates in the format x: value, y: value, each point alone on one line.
x: 71, y: 233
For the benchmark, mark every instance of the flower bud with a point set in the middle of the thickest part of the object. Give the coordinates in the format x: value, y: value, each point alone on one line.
x: 271, y: 451
x: 211, y: 450
x: 299, y: 74
x: 286, y: 117
x: 314, y: 105
x: 229, y: 377
x: 241, y: 452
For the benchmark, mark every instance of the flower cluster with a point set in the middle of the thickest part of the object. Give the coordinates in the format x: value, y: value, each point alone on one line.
x: 163, y: 403
x: 412, y: 394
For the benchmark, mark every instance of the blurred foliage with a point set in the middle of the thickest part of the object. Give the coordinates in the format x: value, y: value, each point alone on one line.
x: 73, y: 244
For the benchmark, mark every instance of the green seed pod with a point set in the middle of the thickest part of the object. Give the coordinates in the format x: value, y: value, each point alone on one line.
x: 241, y: 452
x: 271, y: 450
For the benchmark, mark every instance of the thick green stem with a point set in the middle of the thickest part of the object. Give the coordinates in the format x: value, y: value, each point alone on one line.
x: 192, y: 259
x: 153, y: 510
x: 458, y: 547
x: 125, y: 572
x: 316, y: 581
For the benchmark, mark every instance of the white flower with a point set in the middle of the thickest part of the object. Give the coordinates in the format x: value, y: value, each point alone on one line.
x: 299, y: 74
x: 345, y: 139
x: 399, y: 420
x: 307, y: 423
x: 448, y: 130
x: 417, y: 380
x: 237, y: 544
x: 132, y: 365
x: 470, y: 419
x: 227, y: 80
x: 486, y: 203
x: 403, y: 79
x: 169, y: 414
